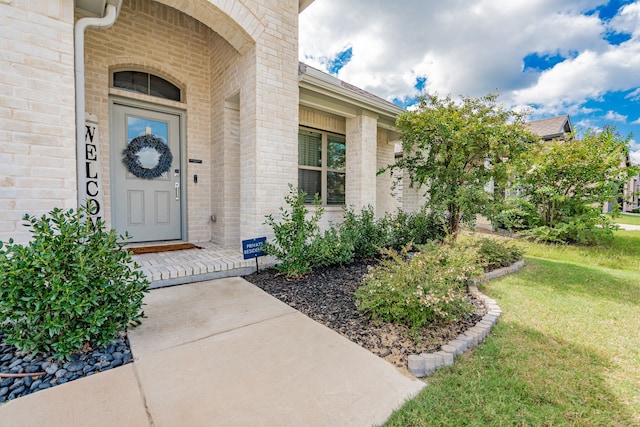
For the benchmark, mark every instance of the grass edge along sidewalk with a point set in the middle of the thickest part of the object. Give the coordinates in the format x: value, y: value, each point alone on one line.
x: 565, y: 351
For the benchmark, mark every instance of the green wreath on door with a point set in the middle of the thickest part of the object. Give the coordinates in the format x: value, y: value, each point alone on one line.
x: 131, y: 158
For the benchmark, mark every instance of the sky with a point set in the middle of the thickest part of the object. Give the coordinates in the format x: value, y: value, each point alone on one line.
x: 552, y: 57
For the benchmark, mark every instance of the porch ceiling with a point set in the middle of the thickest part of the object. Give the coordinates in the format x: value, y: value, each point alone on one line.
x: 94, y: 7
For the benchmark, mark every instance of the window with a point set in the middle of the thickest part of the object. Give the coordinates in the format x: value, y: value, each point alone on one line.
x: 322, y: 165
x: 145, y: 83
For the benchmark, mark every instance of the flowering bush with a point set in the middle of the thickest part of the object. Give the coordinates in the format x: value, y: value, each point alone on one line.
x: 419, y: 289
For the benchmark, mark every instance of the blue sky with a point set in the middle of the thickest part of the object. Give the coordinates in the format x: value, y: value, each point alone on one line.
x: 552, y: 57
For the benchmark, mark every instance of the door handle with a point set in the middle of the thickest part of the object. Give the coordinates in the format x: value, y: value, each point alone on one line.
x: 177, y: 185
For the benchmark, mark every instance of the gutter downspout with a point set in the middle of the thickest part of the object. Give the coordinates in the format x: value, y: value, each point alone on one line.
x: 109, y: 18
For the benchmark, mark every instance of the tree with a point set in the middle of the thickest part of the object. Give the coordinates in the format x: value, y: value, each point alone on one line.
x: 456, y: 150
x: 566, y: 183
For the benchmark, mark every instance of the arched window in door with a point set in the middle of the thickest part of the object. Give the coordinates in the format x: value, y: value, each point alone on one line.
x: 147, y: 84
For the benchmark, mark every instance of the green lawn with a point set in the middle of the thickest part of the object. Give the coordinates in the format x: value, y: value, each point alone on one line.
x: 565, y: 352
x: 627, y: 219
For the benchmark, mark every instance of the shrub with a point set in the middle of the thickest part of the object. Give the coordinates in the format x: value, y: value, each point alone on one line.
x: 331, y: 248
x: 421, y: 289
x: 516, y: 214
x: 495, y: 253
x: 363, y: 232
x: 585, y: 229
x: 417, y: 228
x: 72, y: 285
x: 294, y: 235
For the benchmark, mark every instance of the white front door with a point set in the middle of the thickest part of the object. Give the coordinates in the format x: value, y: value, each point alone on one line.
x: 146, y: 193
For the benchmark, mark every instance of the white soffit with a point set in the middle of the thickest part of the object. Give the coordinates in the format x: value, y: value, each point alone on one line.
x: 95, y: 8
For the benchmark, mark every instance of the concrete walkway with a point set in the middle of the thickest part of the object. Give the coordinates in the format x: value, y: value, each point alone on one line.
x: 224, y: 353
x: 629, y: 227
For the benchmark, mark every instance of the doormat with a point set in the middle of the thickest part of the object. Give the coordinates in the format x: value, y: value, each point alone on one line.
x: 163, y: 248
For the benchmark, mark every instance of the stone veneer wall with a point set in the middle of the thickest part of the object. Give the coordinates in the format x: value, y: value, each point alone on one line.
x: 37, y: 119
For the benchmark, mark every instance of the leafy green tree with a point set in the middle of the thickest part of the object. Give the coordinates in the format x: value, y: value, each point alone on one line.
x: 567, y: 181
x: 455, y: 150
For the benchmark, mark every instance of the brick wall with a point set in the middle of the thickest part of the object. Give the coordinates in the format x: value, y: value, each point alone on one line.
x: 161, y: 40
x: 37, y: 119
x: 361, y: 161
x: 385, y: 155
x: 270, y: 160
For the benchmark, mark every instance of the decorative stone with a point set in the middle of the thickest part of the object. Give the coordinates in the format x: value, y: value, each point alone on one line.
x: 15, y: 363
x: 447, y: 358
x: 16, y: 392
x: 16, y: 383
x: 466, y: 339
x: 75, y: 366
x: 51, y: 368
x: 32, y: 368
x: 473, y: 336
x: 417, y: 365
x: 460, y: 346
x: 432, y: 362
x: 449, y: 349
x: 28, y: 381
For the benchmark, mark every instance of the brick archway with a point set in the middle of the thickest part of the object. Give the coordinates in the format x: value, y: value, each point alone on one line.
x: 232, y: 20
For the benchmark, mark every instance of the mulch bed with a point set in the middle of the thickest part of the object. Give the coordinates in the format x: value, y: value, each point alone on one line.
x: 327, y: 296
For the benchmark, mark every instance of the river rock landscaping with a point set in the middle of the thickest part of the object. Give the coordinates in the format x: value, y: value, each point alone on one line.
x: 47, y: 372
x: 327, y: 296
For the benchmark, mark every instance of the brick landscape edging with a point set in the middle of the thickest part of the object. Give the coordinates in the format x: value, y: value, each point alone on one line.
x: 425, y: 364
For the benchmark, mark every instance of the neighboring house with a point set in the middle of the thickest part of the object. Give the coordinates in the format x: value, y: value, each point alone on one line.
x: 631, y: 191
x: 629, y: 194
x: 560, y: 128
x: 206, y: 97
x: 551, y: 128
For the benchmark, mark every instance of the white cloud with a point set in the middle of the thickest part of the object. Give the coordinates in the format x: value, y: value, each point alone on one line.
x: 471, y: 49
x: 461, y: 48
x: 634, y: 151
x: 615, y: 117
x: 628, y: 20
x: 634, y: 95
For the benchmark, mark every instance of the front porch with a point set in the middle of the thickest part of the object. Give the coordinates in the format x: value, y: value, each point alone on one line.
x: 196, y: 265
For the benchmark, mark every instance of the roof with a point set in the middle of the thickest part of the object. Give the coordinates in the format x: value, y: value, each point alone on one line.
x: 356, y: 92
x: 553, y: 127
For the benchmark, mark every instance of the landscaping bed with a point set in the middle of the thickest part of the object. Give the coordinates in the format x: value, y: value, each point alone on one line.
x: 327, y: 296
x: 48, y: 372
